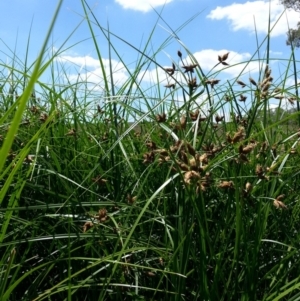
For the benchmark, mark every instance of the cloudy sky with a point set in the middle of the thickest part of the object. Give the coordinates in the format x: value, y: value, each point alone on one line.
x: 238, y: 27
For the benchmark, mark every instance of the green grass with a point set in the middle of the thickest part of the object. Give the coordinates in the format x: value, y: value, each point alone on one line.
x: 119, y: 202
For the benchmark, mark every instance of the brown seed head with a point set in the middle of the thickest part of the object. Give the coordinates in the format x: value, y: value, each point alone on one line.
x: 292, y: 100
x: 162, y: 152
x: 241, y: 83
x: 280, y: 197
x: 43, y: 117
x: 161, y: 117
x: 191, y: 150
x: 99, y: 180
x: 242, y: 98
x: 212, y: 82
x: 191, y: 176
x: 219, y: 118
x: 239, y: 135
x: 87, y: 226
x: 148, y: 157
x: 266, y: 87
x: 224, y: 57
x: 193, y: 83
x: 183, y: 122
x: 171, y: 86
x: 151, y: 145
x: 183, y: 157
x: 226, y: 184
x: 194, y: 115
x: 248, y: 187
x: 252, y: 81
x: 131, y: 199
x: 189, y: 68
x: 279, y: 205
x: 247, y: 149
x: 71, y: 132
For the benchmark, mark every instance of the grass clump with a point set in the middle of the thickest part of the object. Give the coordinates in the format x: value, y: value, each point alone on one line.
x: 187, y: 195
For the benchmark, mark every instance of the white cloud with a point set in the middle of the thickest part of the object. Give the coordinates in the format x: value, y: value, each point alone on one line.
x: 90, y: 70
x: 85, y: 61
x: 142, y: 5
x: 238, y: 62
x: 241, y: 16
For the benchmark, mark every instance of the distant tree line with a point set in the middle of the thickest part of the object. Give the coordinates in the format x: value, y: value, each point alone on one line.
x: 293, y: 34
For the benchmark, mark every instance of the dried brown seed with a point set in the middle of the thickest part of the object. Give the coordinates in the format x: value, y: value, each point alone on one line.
x: 278, y: 204
x: 161, y: 117
x: 204, y: 158
x: 219, y: 118
x: 280, y: 197
x: 99, y: 180
x: 99, y: 110
x: 292, y: 100
x: 247, y: 149
x: 248, y: 187
x: 193, y: 164
x: 71, y: 132
x: 151, y: 145
x: 34, y: 110
x: 226, y: 184
x: 228, y: 138
x: 243, y: 158
x: 266, y: 87
x: 194, y: 115
x: 259, y: 170
x: 241, y: 83
x: 189, y: 68
x: 190, y: 176
x: 183, y: 166
x: 148, y: 157
x: 268, y: 72
x: 28, y: 159
x: 162, y: 151
x: 227, y: 97
x: 225, y: 56
x: 242, y: 98
x: 183, y: 157
x: 102, y: 212
x: 193, y: 83
x: 179, y: 53
x: 131, y: 199
x: 171, y: 86
x: 150, y: 274
x: 170, y: 71
x: 293, y: 151
x: 43, y: 117
x: 183, y: 122
x: 87, y: 226
x: 252, y: 81
x: 239, y: 135
x: 191, y: 150
x: 212, y: 82
x: 260, y: 173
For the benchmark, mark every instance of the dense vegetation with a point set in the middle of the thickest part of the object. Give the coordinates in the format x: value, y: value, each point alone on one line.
x: 140, y: 198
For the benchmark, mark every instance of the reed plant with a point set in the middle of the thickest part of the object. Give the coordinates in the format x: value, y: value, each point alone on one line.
x: 185, y: 194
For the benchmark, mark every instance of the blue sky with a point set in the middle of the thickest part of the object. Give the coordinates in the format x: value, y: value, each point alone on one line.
x: 221, y: 26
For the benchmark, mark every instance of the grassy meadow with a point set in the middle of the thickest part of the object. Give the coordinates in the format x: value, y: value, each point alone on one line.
x: 147, y: 198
